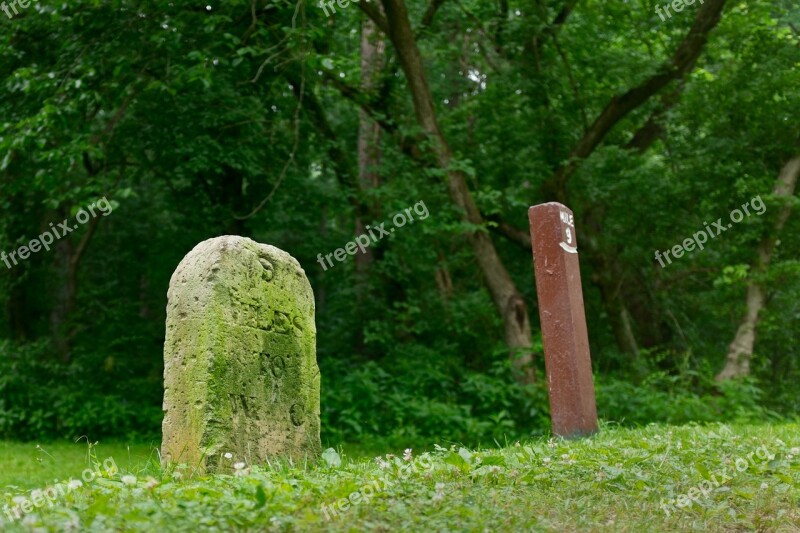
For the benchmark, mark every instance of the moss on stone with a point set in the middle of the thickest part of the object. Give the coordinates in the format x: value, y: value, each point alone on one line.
x: 240, y: 368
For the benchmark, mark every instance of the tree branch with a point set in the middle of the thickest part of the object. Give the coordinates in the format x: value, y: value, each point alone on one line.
x: 373, y: 12
x: 653, y: 128
x: 504, y: 229
x: 407, y: 144
x: 427, y: 18
x: 682, y: 61
x: 562, y: 16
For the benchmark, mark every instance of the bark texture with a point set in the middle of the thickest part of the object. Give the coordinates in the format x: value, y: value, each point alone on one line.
x: 506, y: 297
x: 740, y: 351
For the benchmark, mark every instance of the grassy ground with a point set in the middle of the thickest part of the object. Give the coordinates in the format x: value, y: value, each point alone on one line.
x: 711, y: 478
x: 31, y: 466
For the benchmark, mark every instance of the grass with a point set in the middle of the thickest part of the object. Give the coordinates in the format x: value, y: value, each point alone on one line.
x: 740, y: 477
x: 31, y: 466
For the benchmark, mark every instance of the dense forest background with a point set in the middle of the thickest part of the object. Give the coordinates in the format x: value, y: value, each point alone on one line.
x: 273, y: 120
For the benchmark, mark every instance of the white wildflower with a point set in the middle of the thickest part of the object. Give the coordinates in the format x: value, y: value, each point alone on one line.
x: 177, y: 475
x: 129, y: 480
x: 74, y: 484
x: 407, y: 454
x: 151, y: 483
x: 764, y: 486
x: 240, y: 469
x: 546, y: 460
x: 439, y: 494
x: 72, y: 524
x: 795, y: 451
x: 228, y: 455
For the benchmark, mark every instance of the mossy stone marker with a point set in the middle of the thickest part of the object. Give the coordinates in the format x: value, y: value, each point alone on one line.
x: 240, y: 364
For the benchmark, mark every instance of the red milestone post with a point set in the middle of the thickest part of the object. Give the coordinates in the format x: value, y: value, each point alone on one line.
x: 564, y: 335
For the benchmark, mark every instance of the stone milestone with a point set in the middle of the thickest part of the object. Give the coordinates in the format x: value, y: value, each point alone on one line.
x: 240, y: 366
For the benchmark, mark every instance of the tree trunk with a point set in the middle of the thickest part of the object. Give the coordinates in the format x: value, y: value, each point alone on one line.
x: 369, y: 155
x: 740, y: 351
x: 506, y: 297
x: 68, y: 258
x: 64, y: 299
x: 369, y: 135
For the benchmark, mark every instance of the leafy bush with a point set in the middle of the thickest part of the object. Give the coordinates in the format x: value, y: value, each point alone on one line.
x: 403, y: 402
x: 394, y: 401
x: 42, y: 399
x: 678, y: 399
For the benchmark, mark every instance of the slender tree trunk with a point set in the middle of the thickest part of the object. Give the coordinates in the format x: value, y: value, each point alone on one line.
x: 64, y: 299
x: 369, y: 155
x: 231, y: 195
x: 740, y: 351
x: 632, y: 311
x: 17, y: 306
x: 443, y: 279
x: 369, y: 134
x: 68, y: 258
x: 506, y: 297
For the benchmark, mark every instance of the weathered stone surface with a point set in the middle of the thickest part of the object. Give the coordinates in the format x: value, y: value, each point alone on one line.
x: 240, y: 367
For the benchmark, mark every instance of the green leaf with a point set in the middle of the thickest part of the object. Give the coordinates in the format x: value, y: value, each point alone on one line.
x: 261, y: 497
x: 493, y: 460
x: 700, y: 467
x: 466, y: 455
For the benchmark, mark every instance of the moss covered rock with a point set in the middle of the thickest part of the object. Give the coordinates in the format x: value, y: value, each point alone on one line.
x: 240, y: 367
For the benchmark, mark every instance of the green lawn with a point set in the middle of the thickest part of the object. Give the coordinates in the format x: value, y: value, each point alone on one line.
x: 718, y: 477
x: 31, y: 466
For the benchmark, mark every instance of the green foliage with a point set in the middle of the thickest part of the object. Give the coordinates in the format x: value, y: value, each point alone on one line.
x: 42, y: 399
x: 403, y: 401
x: 678, y: 399
x: 199, y: 122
